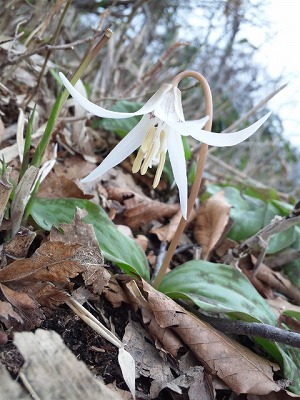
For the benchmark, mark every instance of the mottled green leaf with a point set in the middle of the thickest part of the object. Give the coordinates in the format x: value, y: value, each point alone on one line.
x: 217, y: 288
x: 114, y: 245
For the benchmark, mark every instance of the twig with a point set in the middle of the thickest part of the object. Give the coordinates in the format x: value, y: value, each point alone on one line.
x: 257, y: 329
x: 255, y: 108
x: 261, y: 238
x: 278, y: 224
x: 28, y: 386
x: 49, y: 51
x: 47, y: 47
x: 266, y: 331
x: 153, y: 71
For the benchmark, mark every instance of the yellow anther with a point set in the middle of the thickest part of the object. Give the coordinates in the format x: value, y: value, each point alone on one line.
x: 138, y: 161
x: 160, y: 167
x: 152, y: 144
x: 148, y: 139
x: 148, y: 159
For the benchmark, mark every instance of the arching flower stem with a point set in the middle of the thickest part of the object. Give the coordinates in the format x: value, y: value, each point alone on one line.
x: 198, y: 175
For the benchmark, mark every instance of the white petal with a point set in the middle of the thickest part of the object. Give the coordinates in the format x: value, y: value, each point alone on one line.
x: 123, y: 149
x: 155, y: 100
x: 177, y: 159
x: 148, y: 107
x: 170, y: 108
x: 178, y: 103
x: 217, y: 139
x: 184, y: 128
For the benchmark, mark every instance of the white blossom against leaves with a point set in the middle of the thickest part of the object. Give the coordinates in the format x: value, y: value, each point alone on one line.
x: 158, y: 132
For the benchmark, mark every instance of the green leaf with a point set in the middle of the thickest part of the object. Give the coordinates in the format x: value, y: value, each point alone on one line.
x: 114, y: 245
x: 217, y: 288
x: 283, y: 239
x: 291, y: 366
x: 121, y: 126
x: 186, y: 147
x: 292, y: 313
x: 247, y: 213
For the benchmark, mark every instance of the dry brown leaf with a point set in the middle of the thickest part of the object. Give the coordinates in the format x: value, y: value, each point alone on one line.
x: 171, y: 343
x: 242, y: 370
x: 19, y: 310
x: 149, y: 362
x: 275, y: 280
x: 53, y: 262
x: 140, y: 210
x: 74, y: 167
x: 211, y: 222
x: 18, y: 246
x: 280, y: 304
x: 115, y: 293
x: 42, y: 280
x: 282, y: 395
x: 7, y: 313
x: 55, y: 187
x: 166, y: 232
x: 193, y: 379
x: 79, y: 232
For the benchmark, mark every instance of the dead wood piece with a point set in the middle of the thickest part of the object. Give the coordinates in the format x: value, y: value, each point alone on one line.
x: 53, y: 372
x: 10, y: 389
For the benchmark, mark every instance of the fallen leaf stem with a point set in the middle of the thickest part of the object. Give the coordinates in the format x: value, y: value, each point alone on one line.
x: 93, y: 322
x: 198, y: 175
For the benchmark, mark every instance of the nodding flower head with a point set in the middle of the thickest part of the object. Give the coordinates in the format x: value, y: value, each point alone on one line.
x: 158, y: 132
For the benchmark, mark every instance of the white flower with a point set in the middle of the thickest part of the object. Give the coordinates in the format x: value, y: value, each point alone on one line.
x: 159, y: 131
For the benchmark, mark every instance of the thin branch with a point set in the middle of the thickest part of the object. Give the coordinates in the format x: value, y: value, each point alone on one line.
x: 269, y: 332
x: 261, y: 238
x: 266, y: 331
x: 254, y: 109
x: 242, y: 176
x: 46, y: 47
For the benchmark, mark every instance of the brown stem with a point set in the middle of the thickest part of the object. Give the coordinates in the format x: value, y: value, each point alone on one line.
x: 198, y: 175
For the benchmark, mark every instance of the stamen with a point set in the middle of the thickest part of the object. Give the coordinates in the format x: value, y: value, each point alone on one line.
x: 148, y: 159
x: 138, y: 161
x: 162, y: 140
x: 148, y: 139
x: 160, y: 167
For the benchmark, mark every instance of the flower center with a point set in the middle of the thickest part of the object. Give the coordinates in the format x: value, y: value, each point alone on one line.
x: 152, y: 150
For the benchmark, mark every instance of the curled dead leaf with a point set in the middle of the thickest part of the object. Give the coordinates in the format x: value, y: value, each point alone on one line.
x: 54, y: 187
x: 242, y: 370
x: 18, y: 310
x: 140, y: 210
x: 211, y: 223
